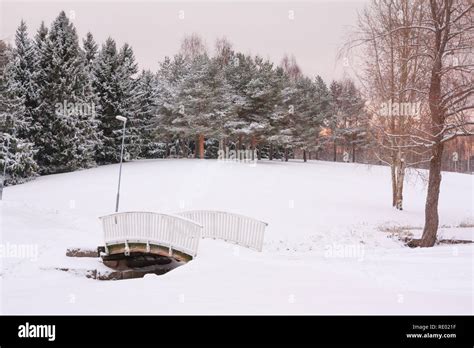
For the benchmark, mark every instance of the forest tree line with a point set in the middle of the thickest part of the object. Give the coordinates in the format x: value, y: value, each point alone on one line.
x: 59, y: 98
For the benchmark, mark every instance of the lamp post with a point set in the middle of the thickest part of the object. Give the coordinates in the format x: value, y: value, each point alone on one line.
x: 5, y: 162
x: 124, y: 120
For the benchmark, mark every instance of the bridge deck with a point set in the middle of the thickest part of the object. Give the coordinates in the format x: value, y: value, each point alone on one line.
x: 177, y: 235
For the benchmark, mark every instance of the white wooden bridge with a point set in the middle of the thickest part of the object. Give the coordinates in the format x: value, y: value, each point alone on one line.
x: 177, y: 235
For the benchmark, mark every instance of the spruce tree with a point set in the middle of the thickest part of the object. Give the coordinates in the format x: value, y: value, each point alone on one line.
x: 195, y: 100
x: 145, y: 111
x: 16, y: 152
x: 127, y: 69
x: 239, y: 73
x: 170, y: 107
x: 115, y: 85
x: 90, y: 50
x: 42, y: 64
x: 21, y: 75
x: 67, y: 128
x: 89, y: 54
x: 108, y: 93
x: 264, y: 93
x: 354, y: 129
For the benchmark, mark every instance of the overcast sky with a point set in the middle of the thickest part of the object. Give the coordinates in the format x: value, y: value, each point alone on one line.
x: 312, y: 31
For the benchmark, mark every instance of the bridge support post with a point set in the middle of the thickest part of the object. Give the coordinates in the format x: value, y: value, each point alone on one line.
x: 127, y: 249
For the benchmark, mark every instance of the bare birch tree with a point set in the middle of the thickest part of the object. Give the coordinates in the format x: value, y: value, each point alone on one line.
x: 448, y: 32
x: 392, y: 77
x: 422, y: 51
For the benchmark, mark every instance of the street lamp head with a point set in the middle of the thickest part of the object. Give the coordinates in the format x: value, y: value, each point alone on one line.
x: 121, y: 118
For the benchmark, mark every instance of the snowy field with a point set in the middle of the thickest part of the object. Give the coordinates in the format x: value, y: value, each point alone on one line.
x: 326, y: 251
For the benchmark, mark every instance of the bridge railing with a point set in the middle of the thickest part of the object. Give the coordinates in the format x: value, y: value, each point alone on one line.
x: 175, y: 232
x: 239, y: 229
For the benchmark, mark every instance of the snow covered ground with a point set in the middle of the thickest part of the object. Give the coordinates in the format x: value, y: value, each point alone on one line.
x: 325, y: 248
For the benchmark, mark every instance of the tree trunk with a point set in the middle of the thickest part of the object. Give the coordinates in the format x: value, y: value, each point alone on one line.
x: 201, y: 146
x: 399, y: 184
x: 253, y: 142
x: 431, y: 207
x: 221, y: 144
x: 353, y: 153
x: 286, y: 154
x: 178, y: 148
x: 239, y: 142
x: 393, y: 170
x: 304, y: 155
x: 196, y: 147
x: 430, y: 230
x: 185, y: 146
x: 270, y: 154
x: 335, y: 151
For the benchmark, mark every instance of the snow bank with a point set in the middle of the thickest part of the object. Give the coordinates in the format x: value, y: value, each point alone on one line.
x: 325, y: 249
